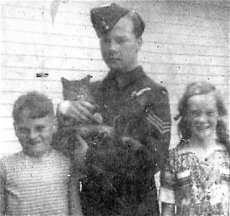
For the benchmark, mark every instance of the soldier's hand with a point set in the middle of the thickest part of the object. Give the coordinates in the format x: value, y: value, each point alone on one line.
x: 95, y: 130
x: 80, y: 110
x: 131, y: 143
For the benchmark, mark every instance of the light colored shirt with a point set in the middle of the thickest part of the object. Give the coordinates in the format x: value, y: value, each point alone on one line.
x: 34, y: 186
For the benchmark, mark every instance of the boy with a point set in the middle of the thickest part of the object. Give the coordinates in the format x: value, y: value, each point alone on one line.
x: 35, y: 181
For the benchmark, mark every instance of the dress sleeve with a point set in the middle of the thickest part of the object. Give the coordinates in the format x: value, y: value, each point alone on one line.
x: 167, y: 180
x: 155, y: 141
x: 2, y: 190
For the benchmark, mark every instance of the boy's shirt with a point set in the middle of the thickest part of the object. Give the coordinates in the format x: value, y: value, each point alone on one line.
x: 31, y: 186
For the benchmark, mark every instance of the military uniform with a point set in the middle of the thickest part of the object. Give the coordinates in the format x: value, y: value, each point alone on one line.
x: 138, y: 108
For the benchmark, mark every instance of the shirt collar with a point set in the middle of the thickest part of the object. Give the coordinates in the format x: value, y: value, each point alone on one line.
x: 124, y: 79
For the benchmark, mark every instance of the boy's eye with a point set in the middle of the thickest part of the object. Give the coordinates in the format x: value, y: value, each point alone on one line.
x: 195, y: 113
x: 120, y: 40
x: 106, y: 40
x: 210, y: 113
x: 23, y: 130
x: 40, y: 128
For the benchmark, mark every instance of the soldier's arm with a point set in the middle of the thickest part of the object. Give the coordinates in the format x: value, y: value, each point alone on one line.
x: 158, y: 127
x: 155, y: 140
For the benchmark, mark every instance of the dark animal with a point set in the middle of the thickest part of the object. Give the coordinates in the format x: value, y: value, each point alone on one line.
x: 69, y: 128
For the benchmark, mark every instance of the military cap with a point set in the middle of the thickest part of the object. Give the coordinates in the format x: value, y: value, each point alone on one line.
x: 104, y: 18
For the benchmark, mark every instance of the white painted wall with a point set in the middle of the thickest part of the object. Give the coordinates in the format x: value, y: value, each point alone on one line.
x: 184, y: 41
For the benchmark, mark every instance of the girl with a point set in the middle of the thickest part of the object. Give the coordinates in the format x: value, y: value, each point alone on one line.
x: 195, y: 180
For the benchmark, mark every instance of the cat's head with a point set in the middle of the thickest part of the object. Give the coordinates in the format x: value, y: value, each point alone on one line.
x: 77, y: 89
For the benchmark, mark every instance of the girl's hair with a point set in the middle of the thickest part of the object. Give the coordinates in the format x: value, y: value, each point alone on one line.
x: 36, y: 104
x: 202, y: 88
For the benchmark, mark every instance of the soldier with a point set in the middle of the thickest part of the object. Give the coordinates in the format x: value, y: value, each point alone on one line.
x: 135, y: 105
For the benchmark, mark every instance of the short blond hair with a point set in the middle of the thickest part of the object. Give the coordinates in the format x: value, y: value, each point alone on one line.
x: 36, y: 104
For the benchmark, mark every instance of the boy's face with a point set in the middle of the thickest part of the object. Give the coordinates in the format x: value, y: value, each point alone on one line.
x: 35, y: 135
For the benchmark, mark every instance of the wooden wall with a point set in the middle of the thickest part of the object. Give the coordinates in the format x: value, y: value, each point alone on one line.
x: 184, y: 41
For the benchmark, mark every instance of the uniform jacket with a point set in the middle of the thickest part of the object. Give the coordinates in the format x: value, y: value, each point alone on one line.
x: 136, y: 107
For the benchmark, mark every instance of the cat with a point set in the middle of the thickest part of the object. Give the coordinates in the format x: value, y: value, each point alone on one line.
x: 81, y: 90
x: 94, y: 130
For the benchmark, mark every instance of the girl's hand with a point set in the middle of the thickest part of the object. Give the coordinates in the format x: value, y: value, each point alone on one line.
x: 168, y: 209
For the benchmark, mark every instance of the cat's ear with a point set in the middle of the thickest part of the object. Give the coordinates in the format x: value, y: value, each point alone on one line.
x: 65, y: 82
x: 86, y: 80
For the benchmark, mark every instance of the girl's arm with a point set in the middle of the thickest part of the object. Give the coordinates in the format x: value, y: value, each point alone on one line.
x: 167, y: 209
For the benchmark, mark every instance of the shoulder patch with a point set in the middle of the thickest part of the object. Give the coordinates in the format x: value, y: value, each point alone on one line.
x: 140, y: 92
x: 161, y: 125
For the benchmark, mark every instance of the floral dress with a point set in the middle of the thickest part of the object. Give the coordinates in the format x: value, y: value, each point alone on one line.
x: 197, y: 186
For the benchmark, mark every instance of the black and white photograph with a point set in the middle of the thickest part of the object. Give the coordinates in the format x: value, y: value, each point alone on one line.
x: 114, y: 108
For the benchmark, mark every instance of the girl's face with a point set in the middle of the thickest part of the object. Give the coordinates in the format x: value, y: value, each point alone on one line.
x: 202, y: 116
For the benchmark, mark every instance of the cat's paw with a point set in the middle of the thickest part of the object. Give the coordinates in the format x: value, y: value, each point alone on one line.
x: 106, y: 130
x: 98, y: 118
x: 131, y: 143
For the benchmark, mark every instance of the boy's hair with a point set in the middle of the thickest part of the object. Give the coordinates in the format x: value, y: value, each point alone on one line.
x: 35, y: 104
x: 202, y: 88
